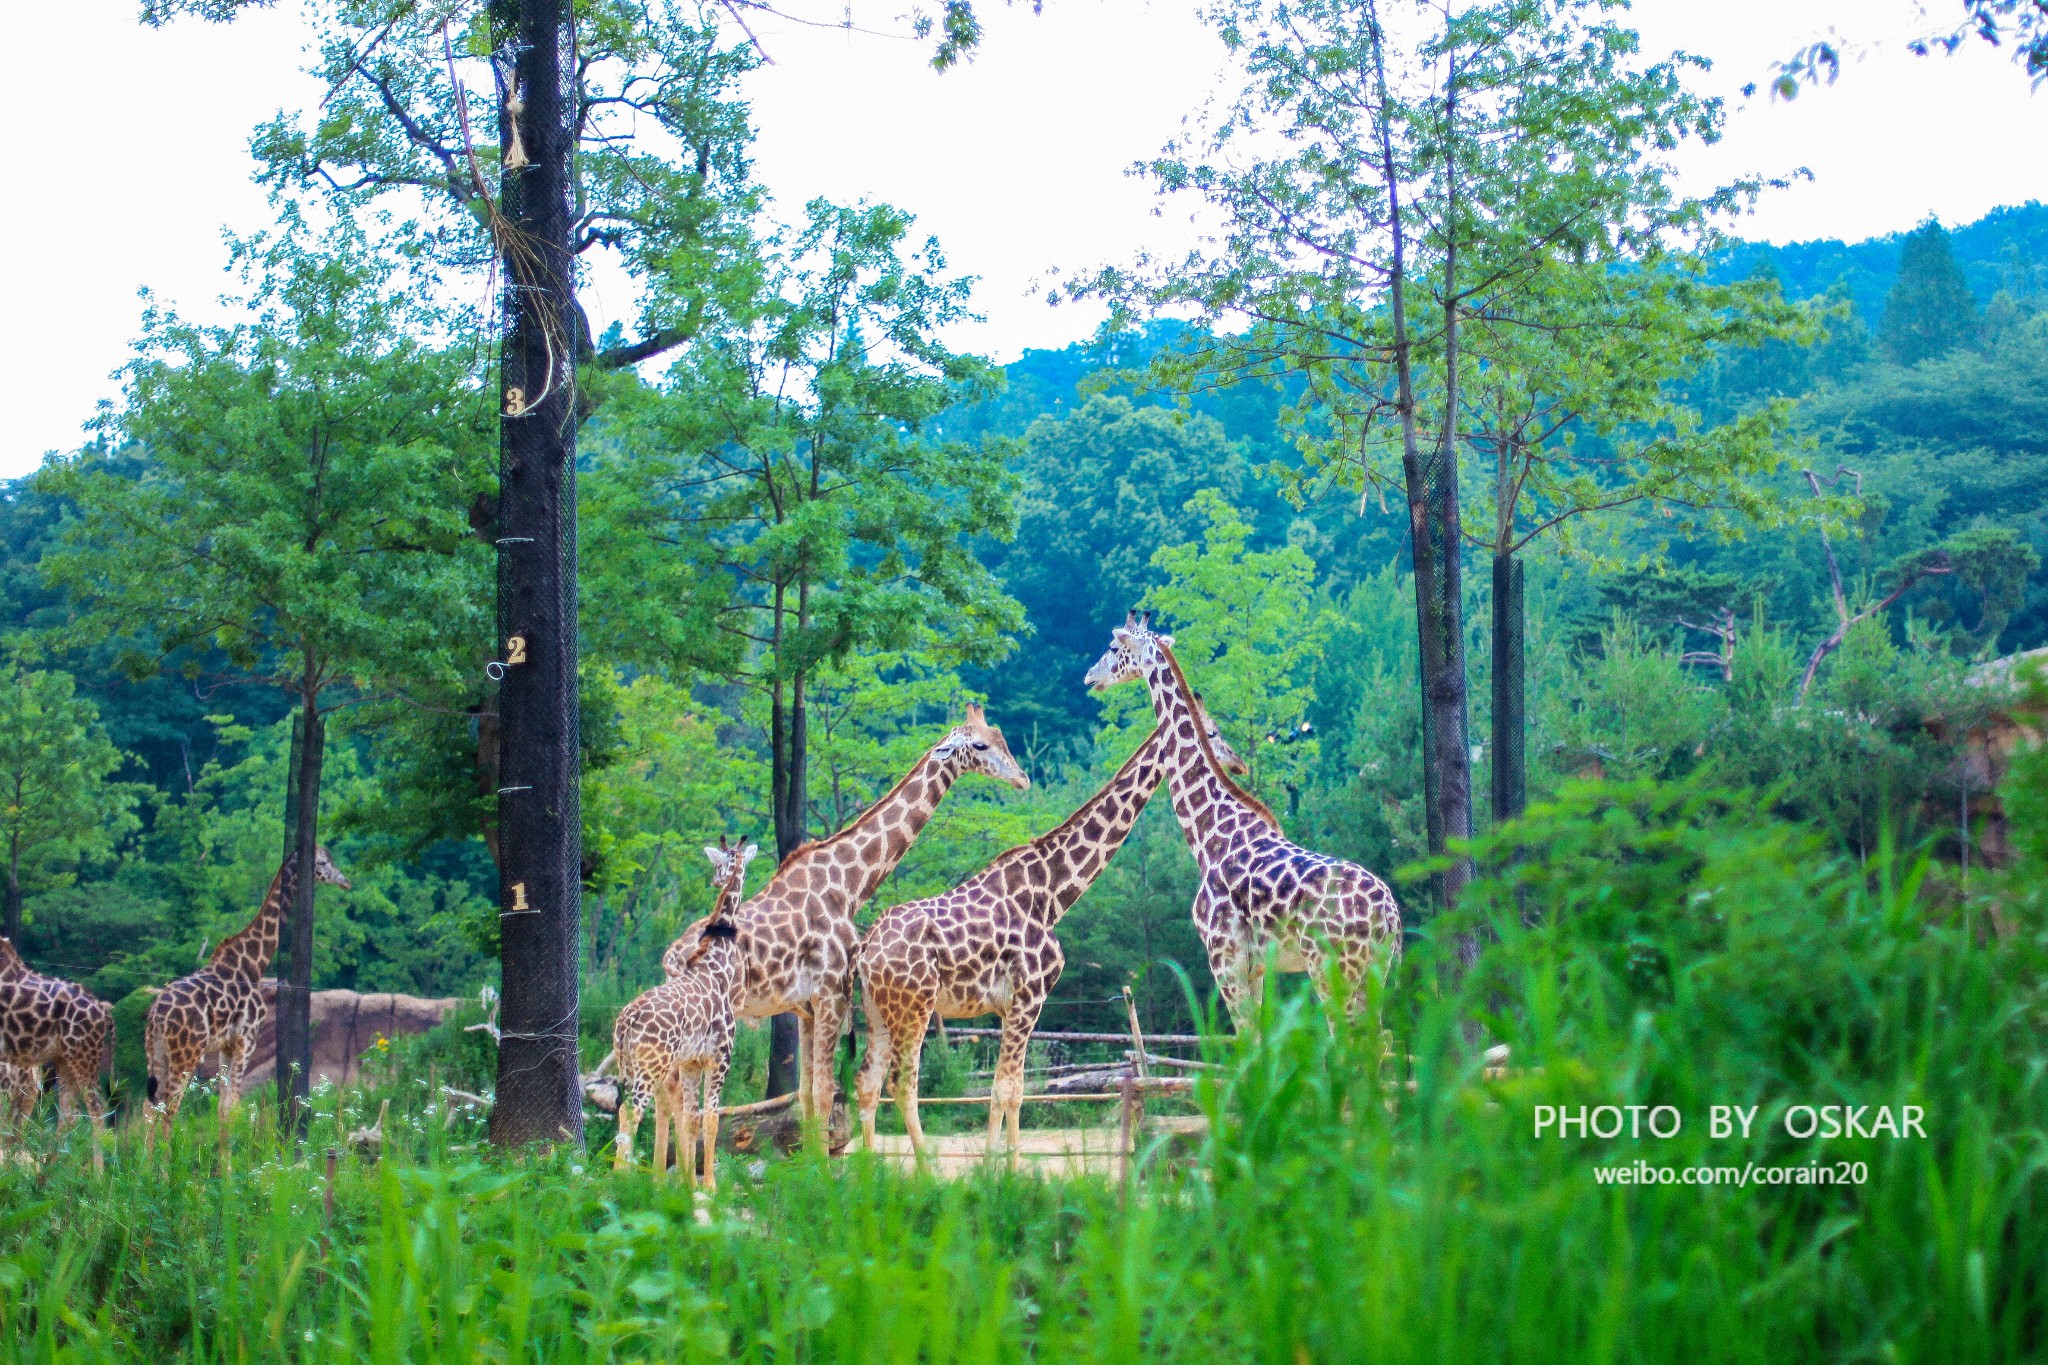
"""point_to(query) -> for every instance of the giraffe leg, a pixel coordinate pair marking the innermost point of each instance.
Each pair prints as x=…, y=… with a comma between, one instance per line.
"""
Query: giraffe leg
x=24, y=1087
x=875, y=1065
x=714, y=1095
x=78, y=1086
x=1236, y=981
x=661, y=1116
x=909, y=1053
x=827, y=1012
x=683, y=1087
x=633, y=1101
x=804, y=1099
x=1006, y=1090
x=176, y=1078
x=234, y=1058
x=622, y=1142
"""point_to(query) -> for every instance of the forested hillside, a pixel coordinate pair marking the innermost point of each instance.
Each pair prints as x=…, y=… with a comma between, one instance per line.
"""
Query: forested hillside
x=1929, y=384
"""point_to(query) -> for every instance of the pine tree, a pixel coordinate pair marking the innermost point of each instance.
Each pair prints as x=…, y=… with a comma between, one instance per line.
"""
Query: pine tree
x=1929, y=311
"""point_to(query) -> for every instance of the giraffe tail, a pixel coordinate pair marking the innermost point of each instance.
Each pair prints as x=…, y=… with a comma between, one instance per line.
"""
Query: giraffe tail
x=153, y=1051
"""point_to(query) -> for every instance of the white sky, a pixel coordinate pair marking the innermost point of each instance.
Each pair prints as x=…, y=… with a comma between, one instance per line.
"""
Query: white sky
x=131, y=153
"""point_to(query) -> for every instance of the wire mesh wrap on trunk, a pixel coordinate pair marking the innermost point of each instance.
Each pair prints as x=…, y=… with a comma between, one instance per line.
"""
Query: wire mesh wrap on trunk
x=539, y=809
x=294, y=1038
x=1446, y=760
x=1510, y=701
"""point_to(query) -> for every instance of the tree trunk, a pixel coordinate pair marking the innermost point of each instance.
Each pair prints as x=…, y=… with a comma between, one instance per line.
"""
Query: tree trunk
x=1510, y=714
x=539, y=802
x=13, y=913
x=295, y=981
x=1431, y=484
x=1441, y=620
x=791, y=746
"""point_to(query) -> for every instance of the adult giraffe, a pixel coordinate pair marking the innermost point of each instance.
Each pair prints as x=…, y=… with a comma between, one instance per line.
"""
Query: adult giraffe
x=988, y=946
x=219, y=1008
x=44, y=1021
x=1259, y=892
x=796, y=936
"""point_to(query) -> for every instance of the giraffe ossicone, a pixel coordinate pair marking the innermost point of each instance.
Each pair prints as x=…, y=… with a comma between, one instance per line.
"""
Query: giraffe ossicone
x=1260, y=894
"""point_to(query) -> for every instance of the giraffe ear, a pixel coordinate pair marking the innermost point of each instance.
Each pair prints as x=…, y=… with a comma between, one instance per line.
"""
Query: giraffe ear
x=713, y=853
x=747, y=853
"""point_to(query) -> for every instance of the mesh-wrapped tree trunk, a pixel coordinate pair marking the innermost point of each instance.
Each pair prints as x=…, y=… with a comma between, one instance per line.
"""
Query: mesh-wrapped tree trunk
x=295, y=960
x=1446, y=757
x=1510, y=703
x=539, y=815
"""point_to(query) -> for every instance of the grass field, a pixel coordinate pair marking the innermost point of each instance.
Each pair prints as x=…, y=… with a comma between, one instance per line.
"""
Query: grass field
x=1341, y=1205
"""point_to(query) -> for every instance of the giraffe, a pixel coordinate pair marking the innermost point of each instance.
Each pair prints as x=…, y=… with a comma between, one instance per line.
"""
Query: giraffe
x=20, y=1086
x=1259, y=892
x=796, y=935
x=219, y=1008
x=44, y=1021
x=676, y=1039
x=988, y=946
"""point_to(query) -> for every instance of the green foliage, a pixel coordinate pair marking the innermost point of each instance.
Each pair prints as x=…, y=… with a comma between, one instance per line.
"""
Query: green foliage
x=1930, y=310
x=1650, y=944
x=1105, y=486
x=57, y=805
x=1630, y=711
x=1247, y=630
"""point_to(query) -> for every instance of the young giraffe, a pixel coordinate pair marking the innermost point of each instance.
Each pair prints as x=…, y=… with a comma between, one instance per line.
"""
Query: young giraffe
x=796, y=935
x=45, y=1020
x=1258, y=891
x=219, y=1008
x=676, y=1039
x=988, y=946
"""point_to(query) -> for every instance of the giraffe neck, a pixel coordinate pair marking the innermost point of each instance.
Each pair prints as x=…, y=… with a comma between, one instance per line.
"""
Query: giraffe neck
x=884, y=831
x=248, y=952
x=1200, y=795
x=728, y=896
x=1082, y=844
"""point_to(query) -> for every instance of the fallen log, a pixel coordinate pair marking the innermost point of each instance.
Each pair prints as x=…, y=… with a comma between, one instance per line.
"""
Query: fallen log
x=745, y=1128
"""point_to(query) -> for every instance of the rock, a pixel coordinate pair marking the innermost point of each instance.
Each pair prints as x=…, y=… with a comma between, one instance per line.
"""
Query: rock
x=345, y=1026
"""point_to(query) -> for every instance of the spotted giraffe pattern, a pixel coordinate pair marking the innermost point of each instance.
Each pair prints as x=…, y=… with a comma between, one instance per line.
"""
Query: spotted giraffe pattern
x=20, y=1086
x=796, y=936
x=988, y=947
x=1259, y=892
x=674, y=1042
x=46, y=1021
x=220, y=1007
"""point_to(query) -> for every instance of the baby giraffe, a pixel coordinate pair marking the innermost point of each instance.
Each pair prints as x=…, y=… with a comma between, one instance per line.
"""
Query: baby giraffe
x=676, y=1038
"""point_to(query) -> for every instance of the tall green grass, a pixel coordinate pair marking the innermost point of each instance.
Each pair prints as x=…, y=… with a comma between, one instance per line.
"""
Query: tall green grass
x=1645, y=945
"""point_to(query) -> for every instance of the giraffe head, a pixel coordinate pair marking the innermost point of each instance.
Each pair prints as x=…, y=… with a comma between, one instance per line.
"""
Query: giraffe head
x=324, y=869
x=976, y=746
x=12, y=968
x=729, y=864
x=1226, y=757
x=1133, y=648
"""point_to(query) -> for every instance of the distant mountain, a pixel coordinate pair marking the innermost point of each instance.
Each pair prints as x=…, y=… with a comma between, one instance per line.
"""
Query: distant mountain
x=2005, y=249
